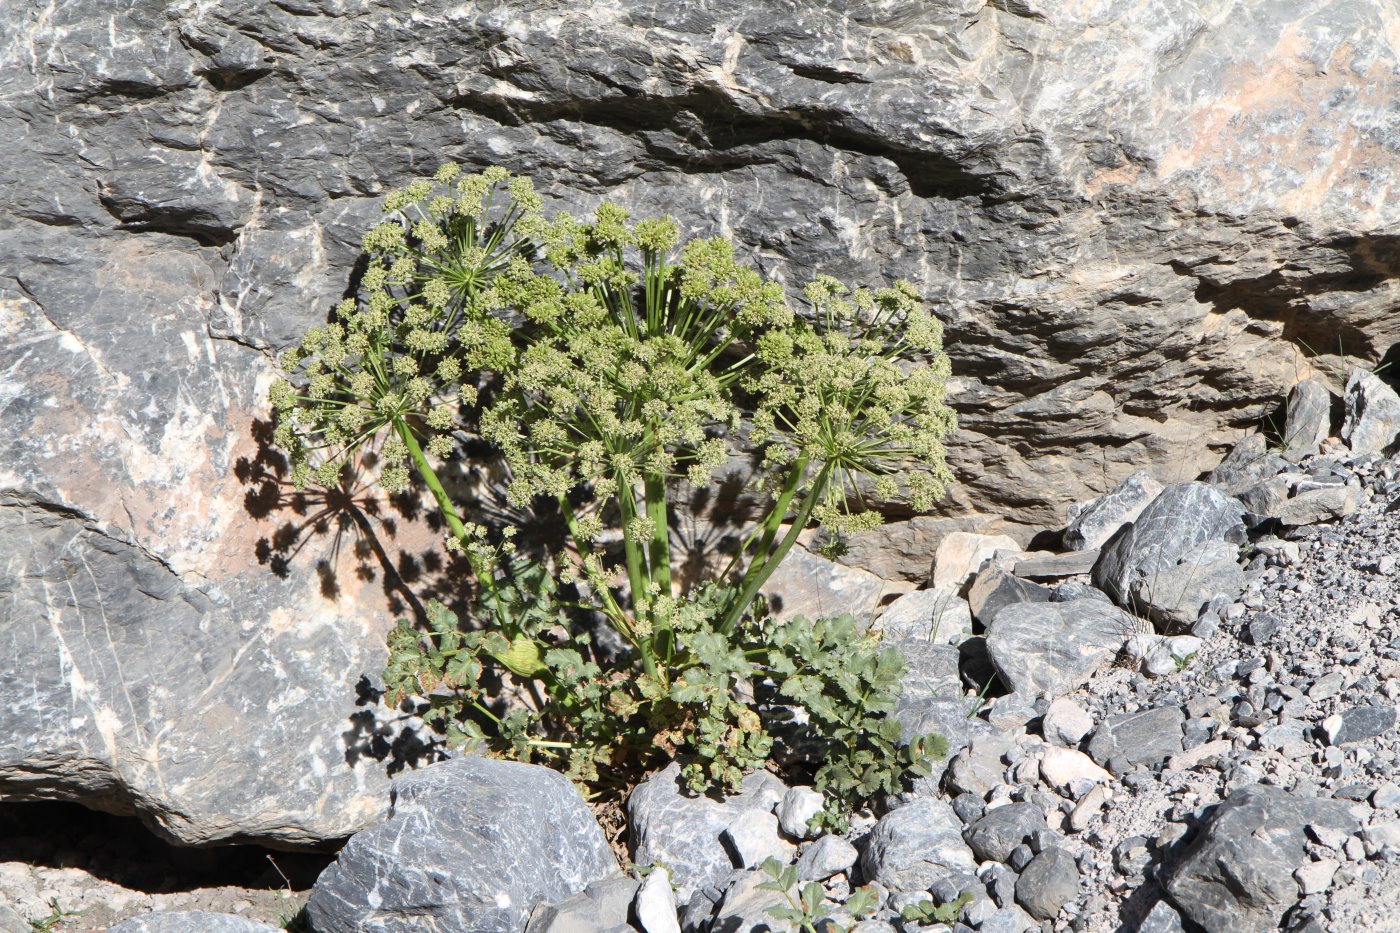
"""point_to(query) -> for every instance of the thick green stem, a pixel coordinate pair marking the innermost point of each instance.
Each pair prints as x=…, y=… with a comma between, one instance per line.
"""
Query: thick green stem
x=425, y=470
x=659, y=554
x=636, y=575
x=760, y=571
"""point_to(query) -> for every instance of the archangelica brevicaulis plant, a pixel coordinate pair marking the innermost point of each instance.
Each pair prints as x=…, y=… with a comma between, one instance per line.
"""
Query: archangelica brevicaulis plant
x=613, y=366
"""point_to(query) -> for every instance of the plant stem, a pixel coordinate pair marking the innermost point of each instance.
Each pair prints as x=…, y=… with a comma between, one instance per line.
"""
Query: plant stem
x=660, y=556
x=759, y=572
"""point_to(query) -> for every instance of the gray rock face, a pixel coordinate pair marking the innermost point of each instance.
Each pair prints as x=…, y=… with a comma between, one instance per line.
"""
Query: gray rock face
x=185, y=921
x=929, y=670
x=1003, y=167
x=139, y=689
x=1249, y=463
x=1094, y=522
x=1238, y=873
x=942, y=715
x=1372, y=414
x=915, y=846
x=1307, y=419
x=826, y=857
x=807, y=584
x=1048, y=649
x=1358, y=723
x=472, y=845
x=1177, y=555
x=671, y=827
x=1130, y=740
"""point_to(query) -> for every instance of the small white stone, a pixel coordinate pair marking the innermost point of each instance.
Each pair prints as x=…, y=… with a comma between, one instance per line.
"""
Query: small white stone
x=1068, y=770
x=1087, y=808
x=1066, y=723
x=753, y=837
x=798, y=806
x=656, y=903
x=1316, y=877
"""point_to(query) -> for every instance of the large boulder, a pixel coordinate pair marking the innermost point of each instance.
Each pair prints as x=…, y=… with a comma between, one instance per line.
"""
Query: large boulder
x=1180, y=553
x=472, y=846
x=1238, y=873
x=1112, y=216
x=134, y=687
x=1049, y=649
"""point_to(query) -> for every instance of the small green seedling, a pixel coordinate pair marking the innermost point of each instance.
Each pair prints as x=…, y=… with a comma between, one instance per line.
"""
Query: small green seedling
x=804, y=910
x=927, y=913
x=56, y=916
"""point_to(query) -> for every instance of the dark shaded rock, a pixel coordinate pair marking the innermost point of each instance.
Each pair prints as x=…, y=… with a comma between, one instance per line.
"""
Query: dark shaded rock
x=1004, y=828
x=1048, y=649
x=472, y=844
x=1048, y=883
x=1372, y=414
x=1131, y=740
x=1238, y=873
x=1094, y=522
x=994, y=588
x=1358, y=723
x=1262, y=628
x=1177, y=556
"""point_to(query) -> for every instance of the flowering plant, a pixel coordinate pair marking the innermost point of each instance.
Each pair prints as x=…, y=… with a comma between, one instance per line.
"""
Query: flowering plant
x=609, y=364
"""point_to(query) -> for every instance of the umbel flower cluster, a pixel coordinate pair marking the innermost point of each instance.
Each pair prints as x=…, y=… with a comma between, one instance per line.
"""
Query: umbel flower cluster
x=612, y=367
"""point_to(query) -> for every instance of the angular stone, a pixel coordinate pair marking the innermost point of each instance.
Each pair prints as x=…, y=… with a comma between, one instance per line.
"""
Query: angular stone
x=752, y=838
x=120, y=686
x=828, y=856
x=1162, y=918
x=1071, y=771
x=672, y=827
x=1094, y=522
x=980, y=766
x=1048, y=649
x=807, y=584
x=939, y=616
x=930, y=670
x=601, y=906
x=1372, y=419
x=1358, y=723
x=1307, y=420
x=656, y=903
x=1004, y=828
x=1130, y=740
x=798, y=807
x=1249, y=463
x=1177, y=555
x=1044, y=566
x=994, y=588
x=1238, y=873
x=915, y=846
x=1048, y=883
x=1066, y=723
x=960, y=555
x=472, y=844
x=185, y=921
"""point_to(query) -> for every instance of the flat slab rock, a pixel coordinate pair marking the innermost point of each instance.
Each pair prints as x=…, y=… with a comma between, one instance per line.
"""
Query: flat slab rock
x=1049, y=649
x=472, y=846
x=190, y=921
